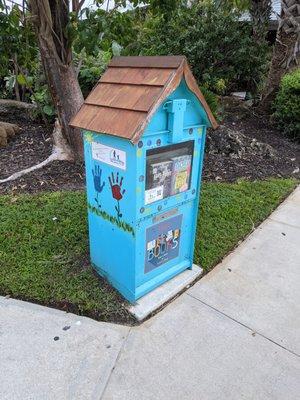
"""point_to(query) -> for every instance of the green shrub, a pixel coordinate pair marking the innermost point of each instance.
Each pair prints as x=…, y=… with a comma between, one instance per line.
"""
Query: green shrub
x=91, y=68
x=100, y=29
x=287, y=105
x=218, y=46
x=211, y=99
x=18, y=46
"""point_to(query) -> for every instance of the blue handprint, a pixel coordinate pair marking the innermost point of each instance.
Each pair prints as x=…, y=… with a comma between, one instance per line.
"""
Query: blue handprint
x=97, y=173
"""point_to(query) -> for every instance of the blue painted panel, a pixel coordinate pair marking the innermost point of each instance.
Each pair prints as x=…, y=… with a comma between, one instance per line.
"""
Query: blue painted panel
x=120, y=223
x=111, y=205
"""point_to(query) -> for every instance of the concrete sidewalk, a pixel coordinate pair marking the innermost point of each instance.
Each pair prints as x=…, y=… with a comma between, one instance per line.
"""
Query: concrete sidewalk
x=234, y=335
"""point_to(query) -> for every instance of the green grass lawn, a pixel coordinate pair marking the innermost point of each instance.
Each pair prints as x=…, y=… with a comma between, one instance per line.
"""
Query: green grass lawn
x=44, y=243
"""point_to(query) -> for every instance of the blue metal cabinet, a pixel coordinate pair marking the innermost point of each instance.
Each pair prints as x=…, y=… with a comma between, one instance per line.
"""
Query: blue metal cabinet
x=143, y=197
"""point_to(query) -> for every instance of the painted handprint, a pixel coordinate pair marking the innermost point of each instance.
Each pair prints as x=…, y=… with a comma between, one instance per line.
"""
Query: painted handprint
x=116, y=186
x=98, y=185
x=116, y=191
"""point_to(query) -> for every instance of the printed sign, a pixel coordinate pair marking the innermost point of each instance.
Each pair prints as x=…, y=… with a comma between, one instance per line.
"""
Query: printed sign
x=109, y=155
x=154, y=194
x=162, y=242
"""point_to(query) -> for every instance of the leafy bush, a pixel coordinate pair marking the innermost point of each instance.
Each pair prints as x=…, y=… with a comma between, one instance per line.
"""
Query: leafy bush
x=287, y=105
x=211, y=99
x=219, y=47
x=18, y=48
x=90, y=68
x=42, y=98
x=99, y=30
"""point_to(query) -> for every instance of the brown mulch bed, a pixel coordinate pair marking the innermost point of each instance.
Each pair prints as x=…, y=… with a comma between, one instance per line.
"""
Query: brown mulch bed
x=265, y=151
x=31, y=146
x=254, y=149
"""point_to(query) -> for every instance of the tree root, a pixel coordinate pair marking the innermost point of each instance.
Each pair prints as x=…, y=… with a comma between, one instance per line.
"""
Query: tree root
x=60, y=151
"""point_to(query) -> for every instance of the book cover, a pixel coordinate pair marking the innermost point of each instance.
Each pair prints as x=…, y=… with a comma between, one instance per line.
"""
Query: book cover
x=158, y=181
x=181, y=172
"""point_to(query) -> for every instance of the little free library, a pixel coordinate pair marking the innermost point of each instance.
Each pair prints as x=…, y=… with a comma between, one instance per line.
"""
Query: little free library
x=144, y=127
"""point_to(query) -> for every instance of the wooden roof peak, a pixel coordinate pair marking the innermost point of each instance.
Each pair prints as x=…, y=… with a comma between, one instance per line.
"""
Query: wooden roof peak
x=129, y=93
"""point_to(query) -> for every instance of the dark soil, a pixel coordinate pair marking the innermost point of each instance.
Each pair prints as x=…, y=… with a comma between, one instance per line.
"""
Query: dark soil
x=246, y=146
x=31, y=146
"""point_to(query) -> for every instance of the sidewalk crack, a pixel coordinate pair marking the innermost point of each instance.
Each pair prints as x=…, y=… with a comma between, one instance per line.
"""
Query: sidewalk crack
x=115, y=363
x=244, y=325
x=283, y=223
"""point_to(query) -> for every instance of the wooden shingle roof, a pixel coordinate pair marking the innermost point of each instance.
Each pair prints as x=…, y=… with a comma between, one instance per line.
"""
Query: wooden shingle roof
x=130, y=91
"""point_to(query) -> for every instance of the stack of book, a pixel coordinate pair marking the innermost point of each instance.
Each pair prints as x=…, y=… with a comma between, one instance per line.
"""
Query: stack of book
x=167, y=178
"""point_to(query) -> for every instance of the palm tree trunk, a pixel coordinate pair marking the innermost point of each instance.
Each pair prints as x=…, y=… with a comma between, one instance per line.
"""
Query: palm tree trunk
x=260, y=13
x=286, y=52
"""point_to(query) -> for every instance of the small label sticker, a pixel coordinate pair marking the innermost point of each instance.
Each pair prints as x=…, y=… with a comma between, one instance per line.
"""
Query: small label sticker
x=109, y=155
x=154, y=194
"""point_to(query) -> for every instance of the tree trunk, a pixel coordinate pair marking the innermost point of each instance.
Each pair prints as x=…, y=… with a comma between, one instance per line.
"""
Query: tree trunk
x=260, y=12
x=51, y=19
x=286, y=50
x=66, y=96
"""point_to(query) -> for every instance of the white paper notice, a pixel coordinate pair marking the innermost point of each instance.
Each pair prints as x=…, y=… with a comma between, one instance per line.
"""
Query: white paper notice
x=109, y=155
x=154, y=194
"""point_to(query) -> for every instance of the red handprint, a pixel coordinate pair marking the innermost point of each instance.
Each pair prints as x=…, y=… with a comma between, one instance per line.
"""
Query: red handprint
x=117, y=192
x=116, y=186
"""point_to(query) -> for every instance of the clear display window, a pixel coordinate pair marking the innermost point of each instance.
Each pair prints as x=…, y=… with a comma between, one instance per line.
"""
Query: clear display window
x=168, y=170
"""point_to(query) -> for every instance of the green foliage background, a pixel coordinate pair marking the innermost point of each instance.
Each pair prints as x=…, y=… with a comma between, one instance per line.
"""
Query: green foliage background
x=287, y=105
x=218, y=46
x=17, y=41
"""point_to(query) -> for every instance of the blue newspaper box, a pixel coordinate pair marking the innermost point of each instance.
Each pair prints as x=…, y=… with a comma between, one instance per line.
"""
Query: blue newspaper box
x=144, y=130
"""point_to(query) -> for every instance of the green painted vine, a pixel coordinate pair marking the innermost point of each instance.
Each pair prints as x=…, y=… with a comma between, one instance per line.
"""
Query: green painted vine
x=120, y=224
